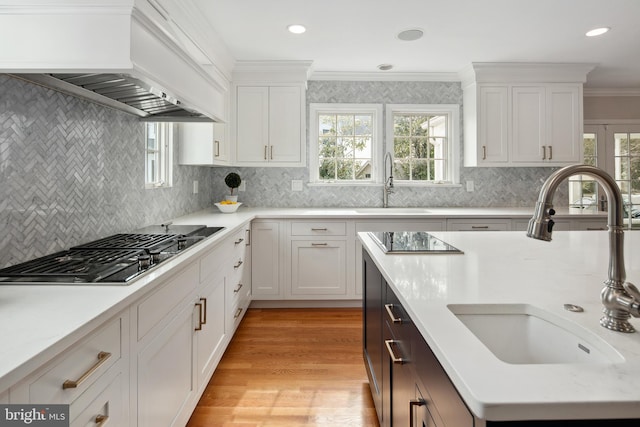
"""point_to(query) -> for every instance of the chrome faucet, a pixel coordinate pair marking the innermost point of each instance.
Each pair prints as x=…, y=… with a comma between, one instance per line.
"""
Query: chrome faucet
x=388, y=181
x=620, y=299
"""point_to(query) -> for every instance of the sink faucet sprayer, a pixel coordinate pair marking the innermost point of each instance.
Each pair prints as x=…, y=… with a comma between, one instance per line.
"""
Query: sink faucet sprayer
x=388, y=181
x=620, y=299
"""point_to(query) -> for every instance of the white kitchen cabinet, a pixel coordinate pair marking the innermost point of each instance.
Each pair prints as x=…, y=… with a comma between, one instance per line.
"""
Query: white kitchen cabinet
x=585, y=223
x=523, y=115
x=265, y=260
x=238, y=278
x=546, y=124
x=318, y=267
x=489, y=224
x=92, y=377
x=203, y=144
x=493, y=129
x=210, y=326
x=166, y=372
x=167, y=350
x=270, y=126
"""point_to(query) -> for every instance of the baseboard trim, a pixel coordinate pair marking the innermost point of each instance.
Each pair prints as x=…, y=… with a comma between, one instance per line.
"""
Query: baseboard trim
x=305, y=303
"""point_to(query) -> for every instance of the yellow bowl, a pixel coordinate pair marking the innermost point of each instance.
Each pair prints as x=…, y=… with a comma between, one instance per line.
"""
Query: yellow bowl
x=228, y=208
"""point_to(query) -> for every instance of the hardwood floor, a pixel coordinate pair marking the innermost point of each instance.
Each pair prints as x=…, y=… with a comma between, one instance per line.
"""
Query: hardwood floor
x=291, y=367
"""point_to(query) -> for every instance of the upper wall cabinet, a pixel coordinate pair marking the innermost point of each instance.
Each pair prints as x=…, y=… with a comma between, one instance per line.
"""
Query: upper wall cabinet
x=203, y=144
x=269, y=114
x=523, y=114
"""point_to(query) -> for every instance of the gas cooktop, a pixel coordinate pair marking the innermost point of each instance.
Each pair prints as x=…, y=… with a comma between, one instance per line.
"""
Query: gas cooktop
x=116, y=259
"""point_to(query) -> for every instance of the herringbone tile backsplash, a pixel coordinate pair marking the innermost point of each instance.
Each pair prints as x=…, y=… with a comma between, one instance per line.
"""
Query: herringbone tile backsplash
x=72, y=171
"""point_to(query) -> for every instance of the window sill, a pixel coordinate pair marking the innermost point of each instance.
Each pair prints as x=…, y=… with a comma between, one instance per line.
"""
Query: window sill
x=379, y=184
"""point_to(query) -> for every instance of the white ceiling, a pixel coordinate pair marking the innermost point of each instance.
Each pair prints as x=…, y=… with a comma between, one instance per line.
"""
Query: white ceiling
x=358, y=35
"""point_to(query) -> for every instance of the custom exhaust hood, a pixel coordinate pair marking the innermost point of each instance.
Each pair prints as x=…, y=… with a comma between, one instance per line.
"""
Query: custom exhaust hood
x=122, y=92
x=124, y=55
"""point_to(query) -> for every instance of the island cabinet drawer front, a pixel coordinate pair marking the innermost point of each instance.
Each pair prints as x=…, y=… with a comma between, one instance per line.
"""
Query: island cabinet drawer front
x=442, y=397
x=479, y=225
x=74, y=371
x=318, y=228
x=103, y=403
x=156, y=307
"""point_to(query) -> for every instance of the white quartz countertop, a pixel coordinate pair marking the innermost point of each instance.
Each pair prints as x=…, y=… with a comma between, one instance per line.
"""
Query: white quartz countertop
x=39, y=322
x=509, y=268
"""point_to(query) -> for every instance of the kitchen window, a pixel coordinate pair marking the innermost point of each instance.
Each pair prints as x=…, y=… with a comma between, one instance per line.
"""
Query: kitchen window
x=345, y=143
x=616, y=149
x=158, y=154
x=423, y=140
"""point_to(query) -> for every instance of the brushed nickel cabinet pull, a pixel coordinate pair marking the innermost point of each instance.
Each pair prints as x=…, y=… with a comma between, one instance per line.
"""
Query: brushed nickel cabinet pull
x=199, y=327
x=101, y=420
x=550, y=152
x=237, y=289
x=319, y=244
x=271, y=152
x=247, y=234
x=412, y=403
x=103, y=356
x=595, y=228
x=204, y=309
x=394, y=358
x=484, y=152
x=544, y=152
x=394, y=319
x=479, y=227
x=217, y=143
x=238, y=264
x=265, y=152
x=319, y=229
x=240, y=240
x=238, y=313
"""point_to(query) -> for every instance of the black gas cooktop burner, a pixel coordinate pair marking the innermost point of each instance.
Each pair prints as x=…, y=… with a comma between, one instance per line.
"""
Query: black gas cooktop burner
x=115, y=259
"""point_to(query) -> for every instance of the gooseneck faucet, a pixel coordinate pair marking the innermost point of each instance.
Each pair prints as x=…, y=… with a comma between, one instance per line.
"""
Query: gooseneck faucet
x=620, y=298
x=388, y=180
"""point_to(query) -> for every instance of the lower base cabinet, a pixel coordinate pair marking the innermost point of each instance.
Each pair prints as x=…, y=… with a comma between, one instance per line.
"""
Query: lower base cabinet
x=408, y=385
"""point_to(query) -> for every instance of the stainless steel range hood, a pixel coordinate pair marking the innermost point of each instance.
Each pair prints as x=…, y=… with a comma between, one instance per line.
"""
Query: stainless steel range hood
x=122, y=92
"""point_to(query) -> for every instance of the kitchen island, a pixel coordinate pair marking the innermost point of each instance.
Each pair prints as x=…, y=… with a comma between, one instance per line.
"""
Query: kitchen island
x=508, y=269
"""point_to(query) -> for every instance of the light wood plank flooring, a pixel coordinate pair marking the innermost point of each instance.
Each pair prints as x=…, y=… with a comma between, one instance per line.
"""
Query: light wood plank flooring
x=291, y=367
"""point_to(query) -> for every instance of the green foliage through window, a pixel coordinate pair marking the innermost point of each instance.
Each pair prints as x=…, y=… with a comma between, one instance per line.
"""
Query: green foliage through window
x=345, y=146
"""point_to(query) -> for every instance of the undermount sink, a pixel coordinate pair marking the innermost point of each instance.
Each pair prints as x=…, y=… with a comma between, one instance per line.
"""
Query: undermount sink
x=525, y=334
x=392, y=210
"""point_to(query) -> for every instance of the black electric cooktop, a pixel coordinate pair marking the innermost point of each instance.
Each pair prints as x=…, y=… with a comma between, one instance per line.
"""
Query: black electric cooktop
x=411, y=242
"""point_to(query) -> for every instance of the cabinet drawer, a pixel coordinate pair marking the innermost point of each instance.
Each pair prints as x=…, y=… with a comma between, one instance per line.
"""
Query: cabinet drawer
x=318, y=229
x=156, y=307
x=82, y=364
x=103, y=402
x=437, y=388
x=479, y=225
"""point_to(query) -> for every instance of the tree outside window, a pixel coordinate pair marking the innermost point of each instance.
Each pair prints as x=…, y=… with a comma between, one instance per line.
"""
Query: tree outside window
x=345, y=145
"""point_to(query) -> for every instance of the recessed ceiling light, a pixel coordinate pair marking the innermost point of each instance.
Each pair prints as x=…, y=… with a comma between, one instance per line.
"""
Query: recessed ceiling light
x=296, y=28
x=385, y=67
x=597, y=31
x=410, y=35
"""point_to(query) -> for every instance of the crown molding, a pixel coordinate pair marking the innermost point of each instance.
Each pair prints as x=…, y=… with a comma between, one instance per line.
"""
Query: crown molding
x=384, y=76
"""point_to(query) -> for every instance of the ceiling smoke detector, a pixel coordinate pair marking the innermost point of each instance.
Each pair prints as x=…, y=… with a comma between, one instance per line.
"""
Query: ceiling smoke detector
x=410, y=35
x=385, y=67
